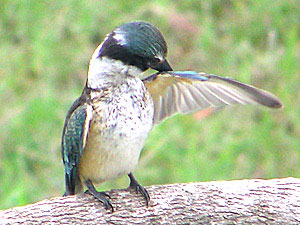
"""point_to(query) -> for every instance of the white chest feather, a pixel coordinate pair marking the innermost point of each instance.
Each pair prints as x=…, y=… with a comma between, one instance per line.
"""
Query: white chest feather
x=121, y=122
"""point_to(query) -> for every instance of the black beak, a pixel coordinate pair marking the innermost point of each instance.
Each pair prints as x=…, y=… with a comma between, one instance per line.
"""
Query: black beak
x=161, y=67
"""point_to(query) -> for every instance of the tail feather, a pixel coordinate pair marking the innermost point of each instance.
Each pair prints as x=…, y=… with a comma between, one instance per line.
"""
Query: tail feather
x=73, y=184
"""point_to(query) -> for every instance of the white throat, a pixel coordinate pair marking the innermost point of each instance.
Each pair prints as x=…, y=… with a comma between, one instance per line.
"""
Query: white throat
x=104, y=72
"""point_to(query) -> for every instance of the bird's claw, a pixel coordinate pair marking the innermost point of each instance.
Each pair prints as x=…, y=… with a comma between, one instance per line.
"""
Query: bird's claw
x=139, y=188
x=101, y=196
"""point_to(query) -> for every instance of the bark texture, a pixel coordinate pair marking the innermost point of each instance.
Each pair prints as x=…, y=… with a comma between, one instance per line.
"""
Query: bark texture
x=275, y=201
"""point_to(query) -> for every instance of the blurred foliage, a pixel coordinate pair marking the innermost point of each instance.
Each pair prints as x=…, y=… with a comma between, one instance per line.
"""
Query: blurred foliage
x=44, y=53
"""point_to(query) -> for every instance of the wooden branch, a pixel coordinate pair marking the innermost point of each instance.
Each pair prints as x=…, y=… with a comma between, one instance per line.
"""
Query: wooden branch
x=275, y=201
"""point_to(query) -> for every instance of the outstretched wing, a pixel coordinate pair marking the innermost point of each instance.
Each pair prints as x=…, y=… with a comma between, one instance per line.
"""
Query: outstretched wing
x=73, y=143
x=189, y=91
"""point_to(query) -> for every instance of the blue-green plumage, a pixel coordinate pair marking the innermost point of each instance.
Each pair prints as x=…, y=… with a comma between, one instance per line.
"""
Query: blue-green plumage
x=107, y=125
x=73, y=141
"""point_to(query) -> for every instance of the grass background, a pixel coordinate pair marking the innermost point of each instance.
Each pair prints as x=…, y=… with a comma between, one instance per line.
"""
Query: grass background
x=44, y=53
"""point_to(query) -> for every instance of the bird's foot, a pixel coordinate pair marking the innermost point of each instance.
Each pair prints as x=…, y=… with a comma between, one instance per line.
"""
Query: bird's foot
x=138, y=188
x=102, y=192
x=101, y=196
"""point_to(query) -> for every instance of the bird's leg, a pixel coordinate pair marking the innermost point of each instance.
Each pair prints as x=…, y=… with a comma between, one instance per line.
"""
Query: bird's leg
x=101, y=196
x=138, y=188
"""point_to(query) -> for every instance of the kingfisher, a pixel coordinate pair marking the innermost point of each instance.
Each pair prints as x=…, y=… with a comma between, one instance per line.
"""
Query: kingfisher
x=106, y=127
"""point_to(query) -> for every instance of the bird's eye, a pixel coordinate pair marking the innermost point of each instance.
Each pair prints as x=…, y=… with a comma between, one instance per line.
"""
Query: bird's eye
x=155, y=61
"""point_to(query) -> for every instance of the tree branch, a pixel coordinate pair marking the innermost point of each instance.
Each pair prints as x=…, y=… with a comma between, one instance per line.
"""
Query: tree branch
x=275, y=201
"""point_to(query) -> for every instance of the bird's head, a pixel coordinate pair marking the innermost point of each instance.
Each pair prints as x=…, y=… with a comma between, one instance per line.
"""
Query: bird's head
x=135, y=46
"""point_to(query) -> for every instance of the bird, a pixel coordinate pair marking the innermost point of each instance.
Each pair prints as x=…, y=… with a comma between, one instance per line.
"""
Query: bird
x=106, y=127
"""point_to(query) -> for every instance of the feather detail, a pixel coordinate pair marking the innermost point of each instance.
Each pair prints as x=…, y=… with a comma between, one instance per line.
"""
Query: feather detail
x=189, y=91
x=74, y=141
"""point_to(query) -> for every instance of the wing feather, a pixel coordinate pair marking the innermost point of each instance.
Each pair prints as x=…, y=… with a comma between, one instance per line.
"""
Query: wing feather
x=188, y=91
x=73, y=144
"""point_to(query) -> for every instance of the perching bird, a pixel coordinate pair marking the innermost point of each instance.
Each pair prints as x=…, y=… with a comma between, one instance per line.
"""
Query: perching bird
x=106, y=127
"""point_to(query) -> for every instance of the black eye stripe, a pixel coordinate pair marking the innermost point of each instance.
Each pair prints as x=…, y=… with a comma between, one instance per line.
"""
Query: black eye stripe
x=155, y=60
x=136, y=44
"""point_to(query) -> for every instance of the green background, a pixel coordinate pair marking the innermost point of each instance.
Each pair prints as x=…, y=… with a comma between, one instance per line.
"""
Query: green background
x=44, y=54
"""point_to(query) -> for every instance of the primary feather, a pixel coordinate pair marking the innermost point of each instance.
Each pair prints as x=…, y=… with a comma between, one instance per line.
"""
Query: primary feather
x=189, y=91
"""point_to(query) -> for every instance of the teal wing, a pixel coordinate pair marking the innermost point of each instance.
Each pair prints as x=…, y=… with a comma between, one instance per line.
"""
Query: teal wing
x=73, y=144
x=189, y=91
